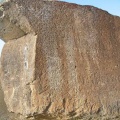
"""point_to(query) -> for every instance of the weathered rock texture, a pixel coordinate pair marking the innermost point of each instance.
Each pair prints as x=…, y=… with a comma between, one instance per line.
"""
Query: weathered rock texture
x=3, y=108
x=61, y=61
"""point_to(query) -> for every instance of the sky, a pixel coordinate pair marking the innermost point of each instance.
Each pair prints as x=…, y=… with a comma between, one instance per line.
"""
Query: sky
x=112, y=6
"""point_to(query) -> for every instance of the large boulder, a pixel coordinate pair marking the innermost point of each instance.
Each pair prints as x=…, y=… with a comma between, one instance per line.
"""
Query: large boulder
x=65, y=63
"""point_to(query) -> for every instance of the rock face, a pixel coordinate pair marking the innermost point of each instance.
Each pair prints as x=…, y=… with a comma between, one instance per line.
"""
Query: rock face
x=3, y=108
x=64, y=64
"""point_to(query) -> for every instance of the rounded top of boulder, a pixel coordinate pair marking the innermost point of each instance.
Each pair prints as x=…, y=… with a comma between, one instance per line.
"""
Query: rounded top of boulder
x=20, y=17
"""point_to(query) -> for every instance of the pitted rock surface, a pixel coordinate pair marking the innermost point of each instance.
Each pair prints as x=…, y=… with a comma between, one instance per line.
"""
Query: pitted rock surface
x=61, y=61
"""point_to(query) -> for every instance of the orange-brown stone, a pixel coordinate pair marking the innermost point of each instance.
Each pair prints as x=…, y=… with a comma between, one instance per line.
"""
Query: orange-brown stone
x=66, y=66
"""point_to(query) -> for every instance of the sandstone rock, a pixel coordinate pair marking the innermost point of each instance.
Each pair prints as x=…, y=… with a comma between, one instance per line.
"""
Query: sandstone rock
x=3, y=108
x=67, y=63
x=9, y=31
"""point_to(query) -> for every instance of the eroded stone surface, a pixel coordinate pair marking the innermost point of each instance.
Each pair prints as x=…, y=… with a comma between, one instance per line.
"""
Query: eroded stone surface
x=3, y=108
x=8, y=31
x=66, y=66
